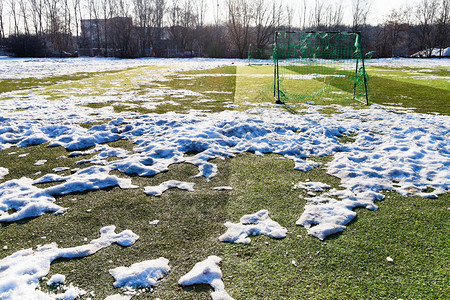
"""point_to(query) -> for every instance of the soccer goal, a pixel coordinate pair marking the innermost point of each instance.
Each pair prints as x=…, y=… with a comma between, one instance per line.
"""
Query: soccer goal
x=319, y=67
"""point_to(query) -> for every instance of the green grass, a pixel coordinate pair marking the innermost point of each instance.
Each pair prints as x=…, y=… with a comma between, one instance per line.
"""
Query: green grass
x=174, y=84
x=423, y=90
x=349, y=265
x=411, y=94
x=9, y=85
x=336, y=86
x=413, y=231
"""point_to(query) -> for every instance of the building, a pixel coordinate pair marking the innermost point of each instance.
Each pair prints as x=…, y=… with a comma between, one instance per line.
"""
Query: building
x=105, y=37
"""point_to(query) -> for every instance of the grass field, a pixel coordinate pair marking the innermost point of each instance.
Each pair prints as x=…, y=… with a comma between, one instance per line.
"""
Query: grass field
x=414, y=231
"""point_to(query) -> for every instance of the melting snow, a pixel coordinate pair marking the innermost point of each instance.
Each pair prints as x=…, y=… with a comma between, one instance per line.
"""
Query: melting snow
x=409, y=62
x=43, y=67
x=25, y=199
x=28, y=201
x=21, y=271
x=154, y=222
x=57, y=279
x=3, y=172
x=118, y=297
x=222, y=188
x=207, y=272
x=325, y=214
x=402, y=152
x=258, y=223
x=140, y=275
x=312, y=186
x=60, y=169
x=40, y=162
x=159, y=189
x=405, y=152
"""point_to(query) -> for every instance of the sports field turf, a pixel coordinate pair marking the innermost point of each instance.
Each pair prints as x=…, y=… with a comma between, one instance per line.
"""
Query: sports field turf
x=414, y=231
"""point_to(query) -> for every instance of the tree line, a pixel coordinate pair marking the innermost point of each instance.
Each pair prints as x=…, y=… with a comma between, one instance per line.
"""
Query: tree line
x=218, y=28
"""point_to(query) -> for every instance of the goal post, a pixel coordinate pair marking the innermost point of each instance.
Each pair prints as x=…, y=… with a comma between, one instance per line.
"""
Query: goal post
x=319, y=66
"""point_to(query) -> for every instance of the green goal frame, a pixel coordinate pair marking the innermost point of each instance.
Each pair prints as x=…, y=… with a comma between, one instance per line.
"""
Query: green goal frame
x=319, y=65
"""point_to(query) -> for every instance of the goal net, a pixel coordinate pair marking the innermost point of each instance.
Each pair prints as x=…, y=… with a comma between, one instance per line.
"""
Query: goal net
x=319, y=67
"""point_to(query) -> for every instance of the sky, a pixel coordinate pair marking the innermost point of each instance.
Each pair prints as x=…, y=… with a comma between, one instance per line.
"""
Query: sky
x=379, y=8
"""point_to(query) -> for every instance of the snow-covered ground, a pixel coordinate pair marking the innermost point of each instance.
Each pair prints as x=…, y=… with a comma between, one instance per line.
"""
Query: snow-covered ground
x=392, y=150
x=410, y=62
x=44, y=67
x=21, y=271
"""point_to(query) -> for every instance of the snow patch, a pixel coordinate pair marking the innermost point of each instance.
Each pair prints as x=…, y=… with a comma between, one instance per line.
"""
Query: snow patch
x=26, y=200
x=118, y=297
x=40, y=162
x=92, y=178
x=159, y=189
x=325, y=215
x=3, y=172
x=140, y=275
x=60, y=169
x=44, y=67
x=312, y=186
x=207, y=272
x=222, y=188
x=21, y=271
x=258, y=223
x=405, y=152
x=57, y=279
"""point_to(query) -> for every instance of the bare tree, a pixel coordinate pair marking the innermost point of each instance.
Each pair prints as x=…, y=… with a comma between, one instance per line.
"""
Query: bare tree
x=175, y=21
x=239, y=21
x=390, y=35
x=200, y=6
x=290, y=16
x=303, y=13
x=327, y=15
x=266, y=20
x=121, y=30
x=443, y=25
x=159, y=10
x=317, y=15
x=217, y=13
x=201, y=9
x=426, y=14
x=23, y=6
x=67, y=25
x=94, y=11
x=15, y=15
x=215, y=34
x=334, y=14
x=77, y=18
x=360, y=11
x=37, y=15
x=142, y=13
x=52, y=8
x=2, y=28
x=182, y=24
